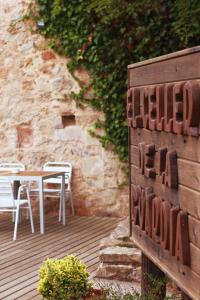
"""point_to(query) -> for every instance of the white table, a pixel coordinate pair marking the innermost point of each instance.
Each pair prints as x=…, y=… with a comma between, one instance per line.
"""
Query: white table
x=39, y=177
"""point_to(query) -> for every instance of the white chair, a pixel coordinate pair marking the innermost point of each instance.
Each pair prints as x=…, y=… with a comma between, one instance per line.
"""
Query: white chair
x=5, y=166
x=55, y=166
x=9, y=204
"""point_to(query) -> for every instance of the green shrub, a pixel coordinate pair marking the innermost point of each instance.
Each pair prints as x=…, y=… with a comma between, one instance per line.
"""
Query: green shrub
x=64, y=279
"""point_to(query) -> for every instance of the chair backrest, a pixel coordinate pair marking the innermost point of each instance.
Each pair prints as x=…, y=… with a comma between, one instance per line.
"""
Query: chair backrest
x=59, y=167
x=11, y=166
x=6, y=194
x=6, y=191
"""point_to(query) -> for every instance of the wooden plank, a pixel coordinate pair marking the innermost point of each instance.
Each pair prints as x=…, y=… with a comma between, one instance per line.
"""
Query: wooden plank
x=187, y=147
x=165, y=57
x=188, y=199
x=184, y=277
x=195, y=255
x=179, y=68
x=189, y=174
x=194, y=231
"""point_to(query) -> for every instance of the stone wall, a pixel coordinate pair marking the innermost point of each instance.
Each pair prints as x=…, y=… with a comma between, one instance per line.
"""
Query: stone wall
x=39, y=122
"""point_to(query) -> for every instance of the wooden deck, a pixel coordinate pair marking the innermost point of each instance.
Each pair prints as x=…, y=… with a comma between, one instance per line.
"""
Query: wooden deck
x=20, y=260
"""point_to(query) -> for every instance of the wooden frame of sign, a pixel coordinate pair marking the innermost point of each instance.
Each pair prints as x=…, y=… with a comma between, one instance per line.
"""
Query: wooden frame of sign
x=163, y=111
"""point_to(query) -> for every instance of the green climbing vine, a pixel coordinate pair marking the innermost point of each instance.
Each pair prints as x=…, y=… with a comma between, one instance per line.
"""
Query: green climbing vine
x=105, y=36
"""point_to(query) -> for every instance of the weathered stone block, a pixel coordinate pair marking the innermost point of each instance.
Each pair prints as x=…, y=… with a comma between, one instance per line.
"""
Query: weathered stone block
x=118, y=272
x=120, y=255
x=122, y=231
x=111, y=242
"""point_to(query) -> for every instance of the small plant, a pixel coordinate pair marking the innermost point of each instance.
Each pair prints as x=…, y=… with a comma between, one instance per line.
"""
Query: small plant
x=64, y=279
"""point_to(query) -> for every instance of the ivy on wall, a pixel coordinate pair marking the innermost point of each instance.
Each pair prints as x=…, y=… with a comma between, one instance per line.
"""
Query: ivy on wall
x=104, y=36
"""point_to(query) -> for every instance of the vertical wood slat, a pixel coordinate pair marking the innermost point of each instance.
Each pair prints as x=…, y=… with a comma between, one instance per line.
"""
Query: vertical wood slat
x=153, y=279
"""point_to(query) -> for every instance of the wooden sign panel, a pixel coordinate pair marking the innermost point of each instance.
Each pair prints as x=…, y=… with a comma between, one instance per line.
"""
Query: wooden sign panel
x=163, y=111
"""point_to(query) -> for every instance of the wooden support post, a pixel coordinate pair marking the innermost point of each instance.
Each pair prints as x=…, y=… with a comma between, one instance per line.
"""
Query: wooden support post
x=185, y=297
x=153, y=279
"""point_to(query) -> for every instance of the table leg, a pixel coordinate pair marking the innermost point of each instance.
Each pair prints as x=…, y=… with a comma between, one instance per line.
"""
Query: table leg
x=41, y=204
x=63, y=200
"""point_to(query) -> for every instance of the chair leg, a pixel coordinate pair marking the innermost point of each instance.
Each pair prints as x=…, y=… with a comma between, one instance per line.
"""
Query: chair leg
x=16, y=222
x=30, y=213
x=20, y=217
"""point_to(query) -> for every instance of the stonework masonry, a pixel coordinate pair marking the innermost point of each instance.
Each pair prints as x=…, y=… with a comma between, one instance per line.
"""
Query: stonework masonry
x=39, y=122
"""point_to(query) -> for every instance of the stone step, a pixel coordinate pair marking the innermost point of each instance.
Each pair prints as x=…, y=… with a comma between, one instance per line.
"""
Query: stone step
x=120, y=255
x=122, y=231
x=112, y=242
x=118, y=272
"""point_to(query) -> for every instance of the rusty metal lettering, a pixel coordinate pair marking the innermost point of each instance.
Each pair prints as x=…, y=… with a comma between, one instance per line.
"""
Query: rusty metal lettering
x=182, y=251
x=149, y=155
x=178, y=108
x=170, y=176
x=160, y=107
x=148, y=219
x=137, y=118
x=135, y=196
x=164, y=224
x=168, y=107
x=156, y=219
x=191, y=108
x=141, y=157
x=144, y=101
x=142, y=210
x=152, y=108
x=162, y=153
x=172, y=229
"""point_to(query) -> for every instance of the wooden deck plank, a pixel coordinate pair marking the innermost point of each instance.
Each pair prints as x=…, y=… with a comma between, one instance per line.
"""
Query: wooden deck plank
x=20, y=261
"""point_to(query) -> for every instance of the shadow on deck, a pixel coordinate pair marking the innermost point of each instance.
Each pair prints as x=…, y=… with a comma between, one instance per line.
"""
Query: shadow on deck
x=20, y=260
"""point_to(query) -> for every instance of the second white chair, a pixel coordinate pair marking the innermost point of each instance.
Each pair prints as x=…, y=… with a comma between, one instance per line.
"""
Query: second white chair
x=60, y=167
x=55, y=192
